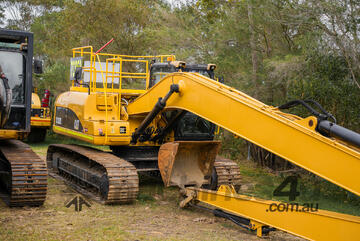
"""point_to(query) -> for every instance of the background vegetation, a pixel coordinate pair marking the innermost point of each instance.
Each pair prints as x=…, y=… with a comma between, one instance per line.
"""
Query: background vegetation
x=274, y=50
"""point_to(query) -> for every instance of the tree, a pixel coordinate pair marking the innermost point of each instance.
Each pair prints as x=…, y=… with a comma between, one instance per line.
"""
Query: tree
x=268, y=49
x=2, y=15
x=337, y=23
x=22, y=13
x=94, y=22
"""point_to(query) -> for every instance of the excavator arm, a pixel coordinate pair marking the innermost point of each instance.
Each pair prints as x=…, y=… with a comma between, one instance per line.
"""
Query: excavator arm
x=295, y=139
x=259, y=215
x=290, y=137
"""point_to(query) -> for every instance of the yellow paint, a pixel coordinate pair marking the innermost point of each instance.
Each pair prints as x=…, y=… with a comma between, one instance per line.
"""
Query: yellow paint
x=37, y=121
x=313, y=225
x=11, y=134
x=72, y=133
x=244, y=116
x=288, y=136
x=40, y=122
x=35, y=101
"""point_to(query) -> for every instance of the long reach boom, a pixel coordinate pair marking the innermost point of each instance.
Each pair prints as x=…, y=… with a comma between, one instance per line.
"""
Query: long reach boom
x=290, y=137
x=335, y=157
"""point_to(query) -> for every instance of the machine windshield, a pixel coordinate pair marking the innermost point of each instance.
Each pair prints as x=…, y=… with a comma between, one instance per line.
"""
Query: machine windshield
x=12, y=66
x=159, y=73
x=200, y=71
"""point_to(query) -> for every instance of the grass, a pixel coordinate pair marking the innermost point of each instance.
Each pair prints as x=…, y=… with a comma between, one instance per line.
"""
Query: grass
x=41, y=148
x=262, y=182
x=155, y=215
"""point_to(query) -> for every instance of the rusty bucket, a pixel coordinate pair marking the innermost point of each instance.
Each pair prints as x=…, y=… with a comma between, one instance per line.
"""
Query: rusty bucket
x=185, y=163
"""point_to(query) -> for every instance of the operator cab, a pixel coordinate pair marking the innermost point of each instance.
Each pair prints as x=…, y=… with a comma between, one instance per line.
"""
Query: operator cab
x=204, y=69
x=15, y=80
x=159, y=70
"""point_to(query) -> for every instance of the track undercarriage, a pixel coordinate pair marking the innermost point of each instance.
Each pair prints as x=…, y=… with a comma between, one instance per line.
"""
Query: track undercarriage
x=23, y=175
x=111, y=178
x=97, y=174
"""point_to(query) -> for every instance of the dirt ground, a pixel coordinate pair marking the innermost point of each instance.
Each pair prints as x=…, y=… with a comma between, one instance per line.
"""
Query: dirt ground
x=154, y=216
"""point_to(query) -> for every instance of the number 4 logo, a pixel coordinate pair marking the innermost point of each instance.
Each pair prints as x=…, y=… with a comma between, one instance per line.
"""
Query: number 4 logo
x=293, y=193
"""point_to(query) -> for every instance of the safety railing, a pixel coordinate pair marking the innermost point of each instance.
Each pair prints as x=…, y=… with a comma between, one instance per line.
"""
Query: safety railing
x=96, y=73
x=121, y=74
x=110, y=78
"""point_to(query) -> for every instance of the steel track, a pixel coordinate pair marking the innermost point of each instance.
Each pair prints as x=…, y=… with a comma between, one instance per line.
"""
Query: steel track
x=228, y=172
x=99, y=175
x=23, y=175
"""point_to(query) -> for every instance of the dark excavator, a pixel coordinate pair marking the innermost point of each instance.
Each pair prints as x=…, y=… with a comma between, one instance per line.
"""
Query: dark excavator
x=23, y=174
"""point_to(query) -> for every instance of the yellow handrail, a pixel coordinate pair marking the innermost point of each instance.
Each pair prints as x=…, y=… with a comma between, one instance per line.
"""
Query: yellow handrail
x=111, y=61
x=92, y=70
x=105, y=96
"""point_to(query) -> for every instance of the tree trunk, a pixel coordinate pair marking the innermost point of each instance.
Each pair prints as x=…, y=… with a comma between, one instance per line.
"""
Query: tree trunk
x=254, y=56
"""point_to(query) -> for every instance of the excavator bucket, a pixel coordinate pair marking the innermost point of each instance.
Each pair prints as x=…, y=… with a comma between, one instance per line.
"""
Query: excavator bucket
x=185, y=163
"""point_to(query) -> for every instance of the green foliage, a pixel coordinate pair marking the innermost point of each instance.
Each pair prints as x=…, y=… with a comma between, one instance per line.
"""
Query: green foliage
x=234, y=147
x=2, y=15
x=289, y=46
x=327, y=80
x=54, y=78
x=94, y=23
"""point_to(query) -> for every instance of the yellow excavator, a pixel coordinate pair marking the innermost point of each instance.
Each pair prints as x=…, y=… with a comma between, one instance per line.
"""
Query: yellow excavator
x=40, y=117
x=138, y=105
x=113, y=177
x=23, y=174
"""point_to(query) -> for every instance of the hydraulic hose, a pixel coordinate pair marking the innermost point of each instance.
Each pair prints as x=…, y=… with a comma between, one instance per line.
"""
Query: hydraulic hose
x=325, y=127
x=159, y=106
